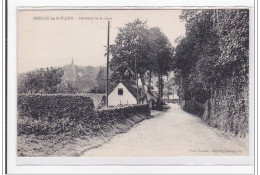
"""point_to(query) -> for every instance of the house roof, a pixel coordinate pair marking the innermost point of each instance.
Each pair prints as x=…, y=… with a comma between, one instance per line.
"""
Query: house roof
x=155, y=94
x=152, y=96
x=132, y=89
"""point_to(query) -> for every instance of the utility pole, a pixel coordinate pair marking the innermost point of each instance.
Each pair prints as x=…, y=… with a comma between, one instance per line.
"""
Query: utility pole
x=108, y=26
x=136, y=76
x=168, y=88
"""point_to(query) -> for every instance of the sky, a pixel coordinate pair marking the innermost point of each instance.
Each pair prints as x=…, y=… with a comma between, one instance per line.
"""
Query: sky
x=51, y=38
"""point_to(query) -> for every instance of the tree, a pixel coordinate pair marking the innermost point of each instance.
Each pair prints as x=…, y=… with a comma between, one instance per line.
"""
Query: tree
x=131, y=46
x=196, y=55
x=41, y=81
x=146, y=51
x=101, y=80
x=213, y=54
x=67, y=87
x=169, y=87
x=161, y=55
x=233, y=44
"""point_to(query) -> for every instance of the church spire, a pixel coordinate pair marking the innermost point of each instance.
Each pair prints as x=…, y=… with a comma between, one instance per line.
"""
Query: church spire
x=72, y=62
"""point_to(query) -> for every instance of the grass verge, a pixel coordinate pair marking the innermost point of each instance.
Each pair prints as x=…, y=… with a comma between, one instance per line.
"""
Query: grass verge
x=66, y=144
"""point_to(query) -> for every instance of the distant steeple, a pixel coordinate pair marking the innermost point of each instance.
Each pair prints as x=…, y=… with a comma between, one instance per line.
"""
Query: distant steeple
x=72, y=62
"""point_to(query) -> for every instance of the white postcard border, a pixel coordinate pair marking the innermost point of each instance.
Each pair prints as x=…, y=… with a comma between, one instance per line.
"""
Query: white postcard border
x=14, y=163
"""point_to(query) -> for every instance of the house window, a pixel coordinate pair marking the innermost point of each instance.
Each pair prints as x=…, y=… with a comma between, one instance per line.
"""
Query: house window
x=120, y=91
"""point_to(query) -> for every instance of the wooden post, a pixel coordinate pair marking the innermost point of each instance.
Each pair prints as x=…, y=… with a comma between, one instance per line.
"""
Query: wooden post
x=150, y=82
x=108, y=26
x=136, y=76
x=168, y=89
x=179, y=91
x=159, y=92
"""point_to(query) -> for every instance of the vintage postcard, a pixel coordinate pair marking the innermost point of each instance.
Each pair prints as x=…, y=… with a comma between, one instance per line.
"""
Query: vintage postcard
x=132, y=82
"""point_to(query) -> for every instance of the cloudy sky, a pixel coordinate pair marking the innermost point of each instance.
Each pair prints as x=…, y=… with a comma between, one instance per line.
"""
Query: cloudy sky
x=52, y=37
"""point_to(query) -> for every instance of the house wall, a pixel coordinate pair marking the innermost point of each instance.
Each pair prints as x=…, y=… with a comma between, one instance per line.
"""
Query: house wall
x=126, y=98
x=143, y=101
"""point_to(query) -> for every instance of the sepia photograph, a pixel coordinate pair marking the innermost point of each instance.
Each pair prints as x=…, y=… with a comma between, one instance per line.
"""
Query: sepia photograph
x=132, y=82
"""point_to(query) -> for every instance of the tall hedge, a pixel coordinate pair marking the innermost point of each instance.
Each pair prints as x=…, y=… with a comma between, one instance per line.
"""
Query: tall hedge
x=54, y=114
x=122, y=113
x=105, y=118
x=228, y=109
x=54, y=106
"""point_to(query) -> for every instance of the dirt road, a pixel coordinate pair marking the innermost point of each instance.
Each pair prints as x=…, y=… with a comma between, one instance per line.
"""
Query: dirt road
x=171, y=133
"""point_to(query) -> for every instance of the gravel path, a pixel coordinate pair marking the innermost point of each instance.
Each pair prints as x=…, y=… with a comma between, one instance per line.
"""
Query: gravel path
x=172, y=133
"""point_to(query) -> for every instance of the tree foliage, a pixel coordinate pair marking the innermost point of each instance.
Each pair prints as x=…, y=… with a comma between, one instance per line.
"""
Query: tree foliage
x=149, y=47
x=46, y=81
x=141, y=49
x=101, y=80
x=131, y=44
x=214, y=49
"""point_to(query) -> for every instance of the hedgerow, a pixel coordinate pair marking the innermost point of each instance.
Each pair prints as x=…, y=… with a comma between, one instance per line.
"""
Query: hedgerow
x=52, y=114
x=105, y=118
x=55, y=114
x=53, y=106
x=120, y=114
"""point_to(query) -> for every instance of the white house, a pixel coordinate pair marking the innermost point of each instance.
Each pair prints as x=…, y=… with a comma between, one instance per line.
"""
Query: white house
x=125, y=93
x=152, y=99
